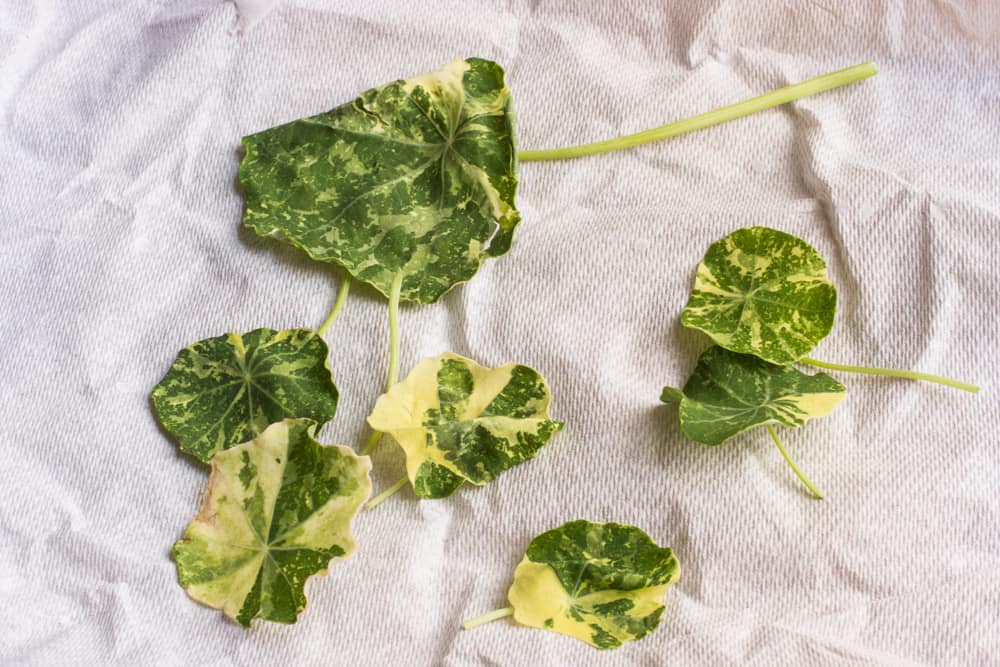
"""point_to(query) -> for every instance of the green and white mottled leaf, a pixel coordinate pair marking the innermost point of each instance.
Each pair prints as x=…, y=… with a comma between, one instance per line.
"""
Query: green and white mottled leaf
x=458, y=421
x=762, y=292
x=417, y=176
x=600, y=582
x=276, y=511
x=729, y=393
x=223, y=391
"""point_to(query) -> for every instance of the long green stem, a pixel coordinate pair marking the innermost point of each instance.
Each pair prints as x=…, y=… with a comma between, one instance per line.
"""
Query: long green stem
x=892, y=372
x=791, y=464
x=338, y=305
x=488, y=617
x=731, y=112
x=393, y=376
x=377, y=500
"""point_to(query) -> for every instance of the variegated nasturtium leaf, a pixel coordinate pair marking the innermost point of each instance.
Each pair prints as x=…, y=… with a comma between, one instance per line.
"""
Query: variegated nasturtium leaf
x=729, y=393
x=458, y=421
x=276, y=511
x=762, y=292
x=225, y=390
x=417, y=176
x=600, y=582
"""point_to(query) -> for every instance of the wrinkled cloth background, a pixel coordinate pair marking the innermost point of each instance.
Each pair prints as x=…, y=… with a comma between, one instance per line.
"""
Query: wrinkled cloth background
x=119, y=133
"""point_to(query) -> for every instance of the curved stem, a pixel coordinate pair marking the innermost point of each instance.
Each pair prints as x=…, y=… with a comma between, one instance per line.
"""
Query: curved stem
x=488, y=617
x=377, y=500
x=892, y=372
x=338, y=305
x=731, y=112
x=791, y=464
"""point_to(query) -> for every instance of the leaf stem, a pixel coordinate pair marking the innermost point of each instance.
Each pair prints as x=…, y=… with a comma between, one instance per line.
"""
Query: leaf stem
x=397, y=286
x=377, y=500
x=791, y=464
x=338, y=305
x=774, y=98
x=371, y=442
x=892, y=372
x=488, y=617
x=393, y=376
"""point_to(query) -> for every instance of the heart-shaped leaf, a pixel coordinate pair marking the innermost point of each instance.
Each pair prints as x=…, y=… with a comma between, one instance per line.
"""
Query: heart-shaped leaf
x=225, y=390
x=458, y=421
x=729, y=393
x=276, y=511
x=417, y=176
x=599, y=582
x=762, y=292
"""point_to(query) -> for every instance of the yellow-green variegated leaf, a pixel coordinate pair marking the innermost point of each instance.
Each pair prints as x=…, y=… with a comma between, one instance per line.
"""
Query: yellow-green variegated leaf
x=762, y=292
x=729, y=393
x=458, y=421
x=600, y=582
x=417, y=176
x=276, y=511
x=225, y=390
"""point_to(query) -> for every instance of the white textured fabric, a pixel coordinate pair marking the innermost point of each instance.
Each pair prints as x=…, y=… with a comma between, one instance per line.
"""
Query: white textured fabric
x=122, y=244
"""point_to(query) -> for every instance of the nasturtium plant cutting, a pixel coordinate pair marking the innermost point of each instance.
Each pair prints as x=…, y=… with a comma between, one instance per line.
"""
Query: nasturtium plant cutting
x=225, y=390
x=277, y=510
x=764, y=298
x=602, y=583
x=763, y=292
x=415, y=177
x=729, y=393
x=459, y=422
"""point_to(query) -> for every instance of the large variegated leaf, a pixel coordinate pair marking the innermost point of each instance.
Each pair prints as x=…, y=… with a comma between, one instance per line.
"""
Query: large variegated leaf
x=729, y=393
x=223, y=391
x=599, y=582
x=416, y=176
x=276, y=511
x=457, y=421
x=762, y=292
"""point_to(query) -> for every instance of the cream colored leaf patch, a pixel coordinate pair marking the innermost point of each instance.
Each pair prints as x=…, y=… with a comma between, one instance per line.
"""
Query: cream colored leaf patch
x=458, y=421
x=276, y=511
x=416, y=177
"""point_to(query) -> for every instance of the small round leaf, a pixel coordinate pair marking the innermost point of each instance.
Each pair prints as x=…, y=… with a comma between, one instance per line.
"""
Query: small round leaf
x=276, y=511
x=729, y=393
x=225, y=390
x=599, y=582
x=762, y=292
x=458, y=421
